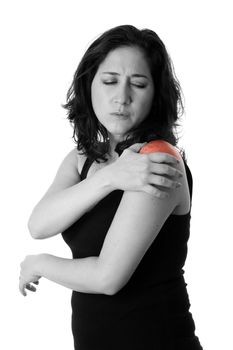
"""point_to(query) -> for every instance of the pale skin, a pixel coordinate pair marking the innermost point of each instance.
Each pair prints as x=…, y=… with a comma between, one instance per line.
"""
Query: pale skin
x=132, y=172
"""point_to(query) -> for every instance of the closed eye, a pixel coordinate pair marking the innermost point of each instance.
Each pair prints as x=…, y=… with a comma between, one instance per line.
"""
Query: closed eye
x=114, y=82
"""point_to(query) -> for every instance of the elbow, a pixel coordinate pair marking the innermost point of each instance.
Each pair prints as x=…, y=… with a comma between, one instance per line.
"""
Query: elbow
x=38, y=227
x=35, y=231
x=32, y=227
x=112, y=290
x=111, y=281
x=40, y=232
x=108, y=291
x=110, y=287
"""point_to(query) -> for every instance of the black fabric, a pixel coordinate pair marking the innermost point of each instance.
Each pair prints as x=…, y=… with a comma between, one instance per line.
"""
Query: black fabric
x=152, y=310
x=85, y=168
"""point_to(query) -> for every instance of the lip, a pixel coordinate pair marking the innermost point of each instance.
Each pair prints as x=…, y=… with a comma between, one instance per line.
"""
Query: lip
x=120, y=114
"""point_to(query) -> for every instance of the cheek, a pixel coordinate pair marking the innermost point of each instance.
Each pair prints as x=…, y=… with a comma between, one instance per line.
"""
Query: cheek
x=145, y=104
x=96, y=98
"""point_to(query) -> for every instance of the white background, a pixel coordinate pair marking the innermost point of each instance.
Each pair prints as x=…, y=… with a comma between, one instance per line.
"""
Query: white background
x=42, y=43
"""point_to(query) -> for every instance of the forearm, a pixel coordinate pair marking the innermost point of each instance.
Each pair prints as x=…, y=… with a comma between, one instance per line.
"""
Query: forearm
x=58, y=211
x=81, y=275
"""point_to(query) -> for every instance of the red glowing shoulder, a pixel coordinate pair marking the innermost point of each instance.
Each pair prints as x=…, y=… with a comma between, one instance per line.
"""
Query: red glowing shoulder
x=160, y=146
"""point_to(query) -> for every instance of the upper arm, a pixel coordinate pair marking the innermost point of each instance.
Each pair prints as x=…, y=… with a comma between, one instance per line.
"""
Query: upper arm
x=138, y=220
x=67, y=174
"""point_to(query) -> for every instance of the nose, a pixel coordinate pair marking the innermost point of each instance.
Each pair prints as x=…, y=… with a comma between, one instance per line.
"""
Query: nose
x=122, y=96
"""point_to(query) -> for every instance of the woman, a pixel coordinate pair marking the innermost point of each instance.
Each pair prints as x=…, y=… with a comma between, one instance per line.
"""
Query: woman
x=125, y=215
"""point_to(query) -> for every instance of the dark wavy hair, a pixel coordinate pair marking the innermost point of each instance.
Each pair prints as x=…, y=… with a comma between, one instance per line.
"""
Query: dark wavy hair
x=167, y=105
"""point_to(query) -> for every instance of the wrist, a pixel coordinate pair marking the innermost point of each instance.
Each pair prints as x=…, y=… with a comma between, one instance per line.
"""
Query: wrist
x=105, y=178
x=40, y=263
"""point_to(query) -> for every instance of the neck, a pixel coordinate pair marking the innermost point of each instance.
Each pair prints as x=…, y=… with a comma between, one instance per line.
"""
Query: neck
x=114, y=140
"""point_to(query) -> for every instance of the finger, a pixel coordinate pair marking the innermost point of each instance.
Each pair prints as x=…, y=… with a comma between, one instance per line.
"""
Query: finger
x=30, y=287
x=36, y=282
x=21, y=289
x=165, y=169
x=158, y=180
x=155, y=192
x=161, y=157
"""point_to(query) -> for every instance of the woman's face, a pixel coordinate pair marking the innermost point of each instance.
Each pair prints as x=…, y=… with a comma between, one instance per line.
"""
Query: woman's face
x=122, y=84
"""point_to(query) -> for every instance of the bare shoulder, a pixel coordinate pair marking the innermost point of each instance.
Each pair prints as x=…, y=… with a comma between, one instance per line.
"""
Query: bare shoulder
x=179, y=196
x=67, y=174
x=72, y=159
x=150, y=209
x=78, y=158
x=182, y=193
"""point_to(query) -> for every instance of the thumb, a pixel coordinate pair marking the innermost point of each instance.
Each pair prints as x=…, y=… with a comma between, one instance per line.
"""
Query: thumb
x=137, y=146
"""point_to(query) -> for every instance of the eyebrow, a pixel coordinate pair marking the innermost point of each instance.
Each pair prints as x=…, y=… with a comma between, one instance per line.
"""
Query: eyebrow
x=133, y=75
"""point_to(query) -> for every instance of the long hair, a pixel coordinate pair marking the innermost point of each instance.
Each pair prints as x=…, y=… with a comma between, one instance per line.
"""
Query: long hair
x=167, y=106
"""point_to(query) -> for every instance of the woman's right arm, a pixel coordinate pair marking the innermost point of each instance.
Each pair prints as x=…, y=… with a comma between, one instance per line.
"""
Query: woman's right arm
x=67, y=199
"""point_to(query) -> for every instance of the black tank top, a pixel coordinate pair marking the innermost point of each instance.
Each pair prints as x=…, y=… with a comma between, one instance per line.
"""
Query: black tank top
x=152, y=310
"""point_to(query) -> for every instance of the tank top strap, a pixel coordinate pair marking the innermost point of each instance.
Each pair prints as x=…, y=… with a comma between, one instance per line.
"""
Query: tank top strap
x=85, y=168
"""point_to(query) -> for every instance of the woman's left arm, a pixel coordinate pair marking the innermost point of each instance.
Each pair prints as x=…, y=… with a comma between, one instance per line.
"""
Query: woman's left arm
x=136, y=224
x=82, y=275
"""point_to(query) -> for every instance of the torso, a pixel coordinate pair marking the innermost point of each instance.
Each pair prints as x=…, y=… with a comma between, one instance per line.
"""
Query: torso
x=182, y=208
